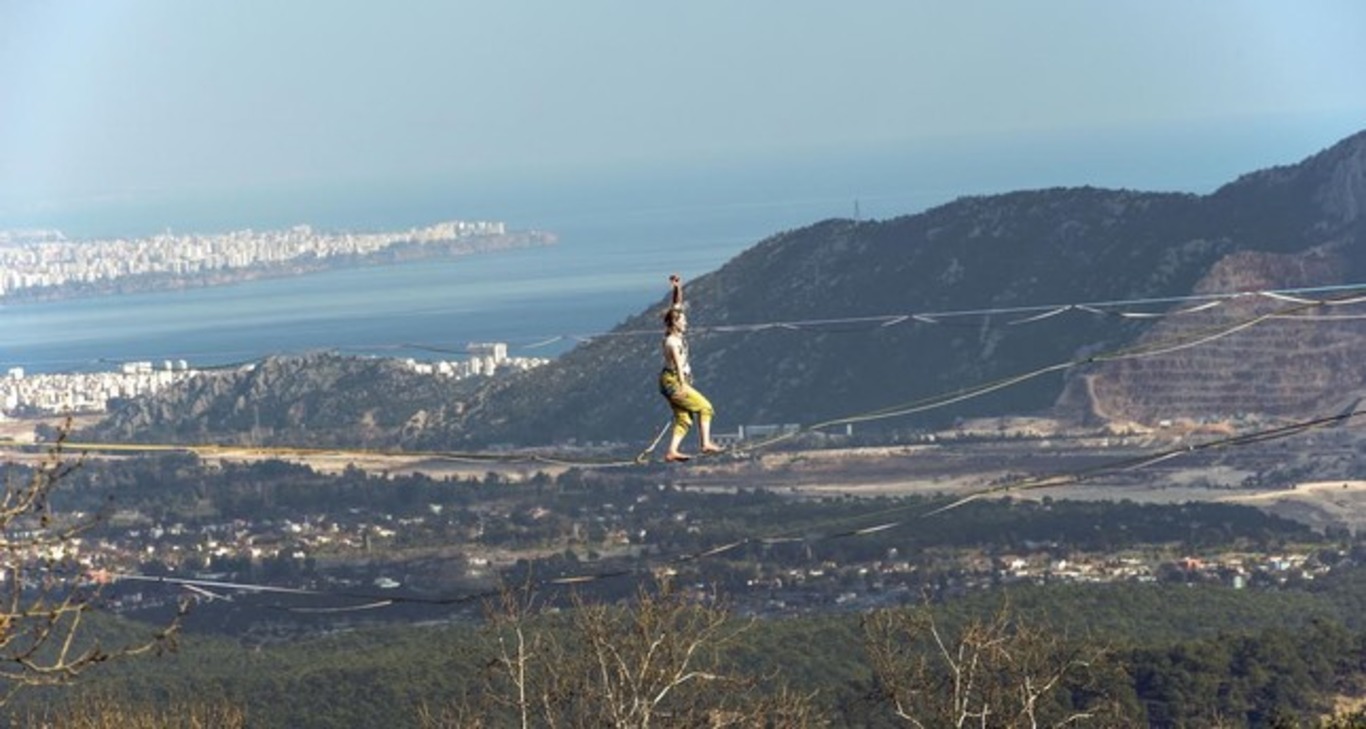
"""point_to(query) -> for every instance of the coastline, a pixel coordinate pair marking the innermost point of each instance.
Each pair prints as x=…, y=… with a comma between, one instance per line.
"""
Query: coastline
x=301, y=266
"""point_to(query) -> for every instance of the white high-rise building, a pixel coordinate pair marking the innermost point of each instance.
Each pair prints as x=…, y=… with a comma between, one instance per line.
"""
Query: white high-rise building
x=497, y=351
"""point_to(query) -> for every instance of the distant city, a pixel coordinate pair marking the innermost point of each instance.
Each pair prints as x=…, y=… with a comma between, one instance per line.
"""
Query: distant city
x=43, y=263
x=23, y=394
x=45, y=260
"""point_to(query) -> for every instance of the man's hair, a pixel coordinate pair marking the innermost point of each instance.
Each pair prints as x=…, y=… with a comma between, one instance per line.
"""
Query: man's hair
x=671, y=316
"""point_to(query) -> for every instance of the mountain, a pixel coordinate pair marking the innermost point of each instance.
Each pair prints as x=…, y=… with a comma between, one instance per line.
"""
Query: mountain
x=1292, y=226
x=1300, y=225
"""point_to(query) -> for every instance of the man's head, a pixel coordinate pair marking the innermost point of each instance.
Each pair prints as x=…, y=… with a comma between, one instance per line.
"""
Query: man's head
x=675, y=320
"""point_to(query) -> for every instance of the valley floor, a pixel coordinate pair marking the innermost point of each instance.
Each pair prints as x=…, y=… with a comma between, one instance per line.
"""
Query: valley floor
x=1280, y=477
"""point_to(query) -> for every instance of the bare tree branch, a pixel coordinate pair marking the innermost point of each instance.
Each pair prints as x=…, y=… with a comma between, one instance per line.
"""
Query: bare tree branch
x=651, y=662
x=999, y=671
x=45, y=591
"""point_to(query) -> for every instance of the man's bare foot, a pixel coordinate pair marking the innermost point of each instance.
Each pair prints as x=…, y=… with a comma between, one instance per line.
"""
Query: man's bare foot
x=712, y=448
x=676, y=457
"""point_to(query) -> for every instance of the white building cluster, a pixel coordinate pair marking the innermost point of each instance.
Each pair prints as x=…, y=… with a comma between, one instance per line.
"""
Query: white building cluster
x=40, y=260
x=85, y=392
x=90, y=392
x=484, y=359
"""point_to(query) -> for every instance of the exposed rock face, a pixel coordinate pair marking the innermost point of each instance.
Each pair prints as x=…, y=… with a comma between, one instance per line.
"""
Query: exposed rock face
x=1299, y=226
x=1344, y=197
x=1292, y=360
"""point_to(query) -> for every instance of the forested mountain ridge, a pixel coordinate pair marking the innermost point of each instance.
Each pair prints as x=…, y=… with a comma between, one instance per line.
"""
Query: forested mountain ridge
x=1290, y=226
x=1297, y=225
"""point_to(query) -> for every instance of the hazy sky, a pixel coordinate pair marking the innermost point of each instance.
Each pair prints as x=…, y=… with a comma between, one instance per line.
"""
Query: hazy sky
x=121, y=98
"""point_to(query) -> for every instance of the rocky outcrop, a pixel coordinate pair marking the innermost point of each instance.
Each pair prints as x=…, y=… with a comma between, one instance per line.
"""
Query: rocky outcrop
x=1292, y=361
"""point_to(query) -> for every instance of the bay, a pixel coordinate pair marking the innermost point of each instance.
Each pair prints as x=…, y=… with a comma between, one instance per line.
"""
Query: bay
x=603, y=269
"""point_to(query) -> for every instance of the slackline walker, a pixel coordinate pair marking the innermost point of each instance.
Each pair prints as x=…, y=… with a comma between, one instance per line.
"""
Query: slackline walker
x=675, y=382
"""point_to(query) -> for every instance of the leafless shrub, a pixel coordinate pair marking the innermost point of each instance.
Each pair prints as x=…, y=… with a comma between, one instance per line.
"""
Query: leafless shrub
x=1001, y=671
x=102, y=711
x=658, y=661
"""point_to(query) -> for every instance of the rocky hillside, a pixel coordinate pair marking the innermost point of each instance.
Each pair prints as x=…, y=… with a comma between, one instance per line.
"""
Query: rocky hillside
x=317, y=400
x=1298, y=225
x=1298, y=363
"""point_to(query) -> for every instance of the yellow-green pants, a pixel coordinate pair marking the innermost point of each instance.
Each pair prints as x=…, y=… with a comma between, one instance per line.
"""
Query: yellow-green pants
x=684, y=401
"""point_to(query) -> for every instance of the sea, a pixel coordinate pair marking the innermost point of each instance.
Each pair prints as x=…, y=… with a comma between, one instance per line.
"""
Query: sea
x=620, y=235
x=607, y=264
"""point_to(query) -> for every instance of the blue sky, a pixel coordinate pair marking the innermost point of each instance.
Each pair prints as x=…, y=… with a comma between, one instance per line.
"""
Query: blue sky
x=124, y=99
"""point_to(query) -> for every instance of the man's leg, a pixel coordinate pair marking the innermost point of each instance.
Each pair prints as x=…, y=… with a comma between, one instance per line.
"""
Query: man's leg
x=682, y=420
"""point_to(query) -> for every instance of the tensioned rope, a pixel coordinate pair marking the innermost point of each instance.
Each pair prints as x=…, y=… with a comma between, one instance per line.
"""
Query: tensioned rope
x=1348, y=294
x=1292, y=311
x=858, y=525
x=1028, y=313
x=204, y=587
x=1054, y=480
